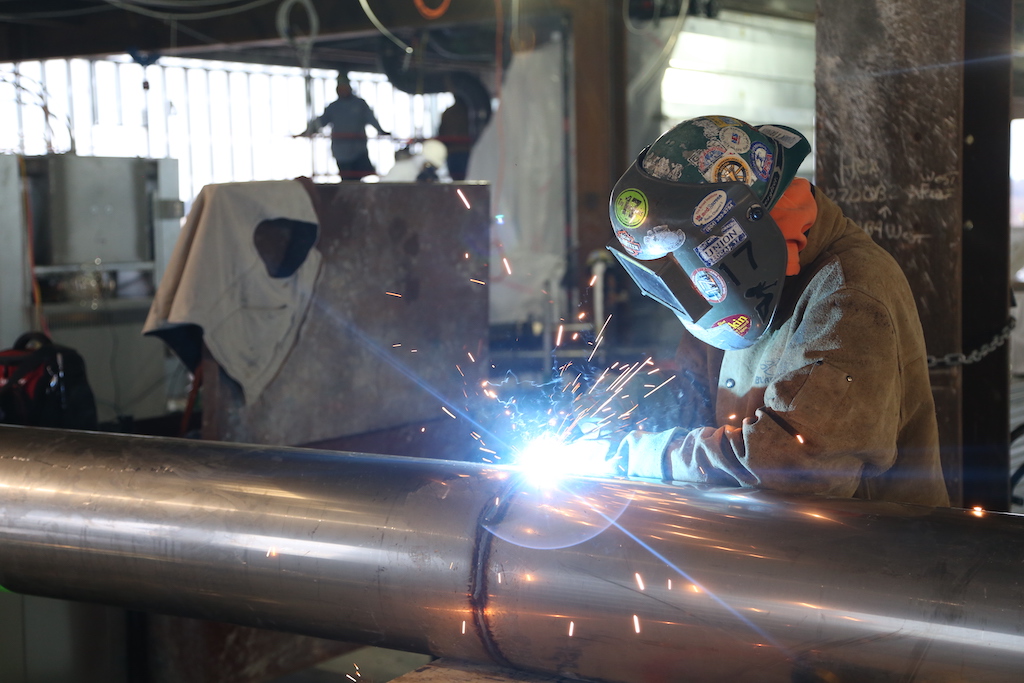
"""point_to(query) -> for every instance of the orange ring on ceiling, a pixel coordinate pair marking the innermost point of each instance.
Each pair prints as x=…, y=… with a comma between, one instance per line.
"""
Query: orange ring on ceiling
x=431, y=12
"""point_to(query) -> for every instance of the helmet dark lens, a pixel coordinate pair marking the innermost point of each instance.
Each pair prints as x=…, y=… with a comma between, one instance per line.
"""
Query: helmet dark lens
x=755, y=213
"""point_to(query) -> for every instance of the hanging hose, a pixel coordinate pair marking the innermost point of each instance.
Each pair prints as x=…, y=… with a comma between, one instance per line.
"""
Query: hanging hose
x=304, y=49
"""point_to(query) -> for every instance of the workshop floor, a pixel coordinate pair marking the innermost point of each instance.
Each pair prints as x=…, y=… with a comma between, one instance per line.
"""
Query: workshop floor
x=365, y=665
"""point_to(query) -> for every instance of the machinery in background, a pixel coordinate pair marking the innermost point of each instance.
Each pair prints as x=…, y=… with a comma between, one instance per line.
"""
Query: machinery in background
x=101, y=231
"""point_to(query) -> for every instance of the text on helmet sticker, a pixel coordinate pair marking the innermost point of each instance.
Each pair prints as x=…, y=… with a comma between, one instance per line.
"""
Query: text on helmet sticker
x=710, y=210
x=715, y=248
x=739, y=323
x=734, y=139
x=631, y=207
x=783, y=136
x=628, y=242
x=659, y=240
x=710, y=284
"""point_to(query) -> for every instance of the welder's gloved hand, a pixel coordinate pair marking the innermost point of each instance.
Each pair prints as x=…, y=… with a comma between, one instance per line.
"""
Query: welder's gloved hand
x=591, y=457
x=642, y=454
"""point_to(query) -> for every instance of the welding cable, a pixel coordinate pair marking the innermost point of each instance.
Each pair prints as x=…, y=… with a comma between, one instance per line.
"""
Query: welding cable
x=303, y=52
x=666, y=52
x=384, y=29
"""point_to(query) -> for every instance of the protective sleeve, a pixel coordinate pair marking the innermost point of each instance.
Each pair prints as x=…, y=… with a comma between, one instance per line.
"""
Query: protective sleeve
x=833, y=411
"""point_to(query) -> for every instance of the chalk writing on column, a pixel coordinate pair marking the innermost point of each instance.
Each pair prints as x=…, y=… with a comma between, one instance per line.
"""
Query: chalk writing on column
x=860, y=184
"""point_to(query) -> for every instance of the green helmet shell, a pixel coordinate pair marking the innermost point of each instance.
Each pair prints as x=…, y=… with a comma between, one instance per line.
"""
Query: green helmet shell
x=723, y=149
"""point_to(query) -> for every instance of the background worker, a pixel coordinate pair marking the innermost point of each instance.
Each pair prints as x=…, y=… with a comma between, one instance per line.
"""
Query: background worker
x=348, y=116
x=813, y=363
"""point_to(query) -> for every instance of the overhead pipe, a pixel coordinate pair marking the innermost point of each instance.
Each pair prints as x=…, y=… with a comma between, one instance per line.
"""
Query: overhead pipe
x=600, y=579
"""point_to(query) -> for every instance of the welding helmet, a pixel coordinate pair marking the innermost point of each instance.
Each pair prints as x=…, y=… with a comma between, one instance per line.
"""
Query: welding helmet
x=692, y=226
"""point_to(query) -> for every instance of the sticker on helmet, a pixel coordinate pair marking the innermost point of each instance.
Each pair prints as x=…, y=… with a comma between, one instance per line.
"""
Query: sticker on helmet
x=739, y=323
x=710, y=284
x=710, y=208
x=659, y=240
x=660, y=167
x=730, y=169
x=715, y=248
x=723, y=121
x=787, y=138
x=628, y=242
x=735, y=139
x=761, y=160
x=703, y=158
x=631, y=207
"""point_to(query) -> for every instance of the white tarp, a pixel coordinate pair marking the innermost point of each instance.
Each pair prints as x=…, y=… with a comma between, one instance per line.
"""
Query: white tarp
x=528, y=201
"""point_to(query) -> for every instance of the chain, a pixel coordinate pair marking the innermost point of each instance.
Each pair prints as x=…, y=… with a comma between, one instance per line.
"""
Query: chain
x=954, y=359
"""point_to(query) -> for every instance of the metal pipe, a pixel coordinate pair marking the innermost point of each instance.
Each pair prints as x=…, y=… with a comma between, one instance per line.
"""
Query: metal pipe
x=612, y=580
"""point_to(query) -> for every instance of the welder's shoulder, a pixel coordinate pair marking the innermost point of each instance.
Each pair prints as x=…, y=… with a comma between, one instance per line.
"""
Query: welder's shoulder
x=855, y=262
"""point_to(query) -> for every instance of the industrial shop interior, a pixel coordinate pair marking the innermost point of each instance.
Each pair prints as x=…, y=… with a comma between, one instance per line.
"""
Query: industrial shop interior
x=625, y=341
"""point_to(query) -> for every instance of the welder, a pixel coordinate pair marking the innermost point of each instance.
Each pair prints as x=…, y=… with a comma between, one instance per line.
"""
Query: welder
x=801, y=332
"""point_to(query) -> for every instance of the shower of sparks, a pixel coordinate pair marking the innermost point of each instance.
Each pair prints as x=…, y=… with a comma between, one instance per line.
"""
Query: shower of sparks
x=639, y=580
x=393, y=294
x=477, y=282
x=463, y=198
x=659, y=386
x=508, y=266
x=450, y=413
x=636, y=623
x=572, y=627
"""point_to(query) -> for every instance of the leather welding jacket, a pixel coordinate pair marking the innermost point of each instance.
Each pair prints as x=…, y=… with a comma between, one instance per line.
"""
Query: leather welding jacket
x=834, y=398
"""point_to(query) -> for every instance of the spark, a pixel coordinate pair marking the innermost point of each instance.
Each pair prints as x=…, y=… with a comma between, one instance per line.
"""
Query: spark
x=733, y=416
x=466, y=255
x=558, y=339
x=799, y=438
x=670, y=584
x=423, y=430
x=600, y=338
x=393, y=294
x=500, y=219
x=488, y=450
x=636, y=623
x=978, y=511
x=659, y=386
x=639, y=580
x=592, y=281
x=350, y=677
x=529, y=577
x=272, y=552
x=463, y=198
x=450, y=413
x=395, y=346
x=463, y=627
x=572, y=627
x=508, y=266
x=478, y=282
x=460, y=370
x=470, y=357
x=499, y=577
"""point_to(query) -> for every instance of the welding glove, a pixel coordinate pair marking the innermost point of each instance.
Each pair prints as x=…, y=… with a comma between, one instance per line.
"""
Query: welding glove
x=642, y=454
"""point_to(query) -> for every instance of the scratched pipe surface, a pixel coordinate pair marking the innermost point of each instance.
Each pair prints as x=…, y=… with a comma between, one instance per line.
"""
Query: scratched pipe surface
x=621, y=581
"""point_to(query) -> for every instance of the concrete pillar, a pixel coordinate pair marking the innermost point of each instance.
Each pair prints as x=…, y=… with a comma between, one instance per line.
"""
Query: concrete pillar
x=913, y=146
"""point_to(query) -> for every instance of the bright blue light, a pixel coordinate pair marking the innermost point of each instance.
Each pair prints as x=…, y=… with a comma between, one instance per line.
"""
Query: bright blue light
x=547, y=460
